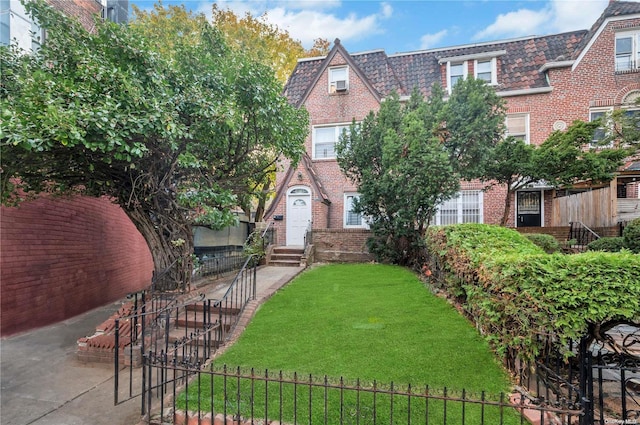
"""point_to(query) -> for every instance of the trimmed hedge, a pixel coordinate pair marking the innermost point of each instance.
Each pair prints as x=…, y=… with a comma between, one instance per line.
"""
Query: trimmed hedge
x=614, y=244
x=548, y=243
x=516, y=293
x=631, y=236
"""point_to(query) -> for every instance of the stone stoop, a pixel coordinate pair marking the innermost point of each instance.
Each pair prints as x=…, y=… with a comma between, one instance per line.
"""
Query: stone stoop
x=283, y=256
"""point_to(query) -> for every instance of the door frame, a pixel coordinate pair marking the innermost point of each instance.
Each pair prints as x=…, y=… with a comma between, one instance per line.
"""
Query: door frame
x=307, y=197
x=541, y=192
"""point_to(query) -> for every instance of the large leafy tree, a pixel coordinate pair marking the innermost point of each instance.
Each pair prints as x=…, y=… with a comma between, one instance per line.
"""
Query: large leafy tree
x=258, y=41
x=170, y=136
x=409, y=158
x=565, y=158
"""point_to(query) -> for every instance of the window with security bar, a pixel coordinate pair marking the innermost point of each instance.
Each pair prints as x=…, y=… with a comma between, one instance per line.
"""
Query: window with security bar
x=466, y=207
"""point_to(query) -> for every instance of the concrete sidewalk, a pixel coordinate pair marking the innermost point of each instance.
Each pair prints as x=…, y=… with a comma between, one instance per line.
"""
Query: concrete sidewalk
x=43, y=383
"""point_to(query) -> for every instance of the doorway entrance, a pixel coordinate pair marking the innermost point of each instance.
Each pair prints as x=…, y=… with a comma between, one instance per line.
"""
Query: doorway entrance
x=529, y=209
x=298, y=214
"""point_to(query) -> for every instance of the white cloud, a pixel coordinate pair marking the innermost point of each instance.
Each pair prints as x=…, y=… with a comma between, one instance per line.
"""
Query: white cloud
x=309, y=19
x=430, y=40
x=555, y=16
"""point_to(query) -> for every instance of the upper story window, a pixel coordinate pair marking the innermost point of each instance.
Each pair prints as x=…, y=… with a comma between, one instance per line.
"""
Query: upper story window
x=485, y=69
x=325, y=139
x=455, y=72
x=601, y=132
x=627, y=51
x=338, y=79
x=518, y=126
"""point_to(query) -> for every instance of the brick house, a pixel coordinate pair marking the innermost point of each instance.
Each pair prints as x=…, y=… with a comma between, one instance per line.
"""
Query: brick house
x=547, y=83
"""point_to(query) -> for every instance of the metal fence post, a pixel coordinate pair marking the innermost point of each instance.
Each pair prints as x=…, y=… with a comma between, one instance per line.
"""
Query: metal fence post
x=586, y=381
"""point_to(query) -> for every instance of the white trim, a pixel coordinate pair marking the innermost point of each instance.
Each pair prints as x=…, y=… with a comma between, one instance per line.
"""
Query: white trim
x=465, y=72
x=474, y=56
x=363, y=223
x=332, y=81
x=524, y=92
x=335, y=126
x=459, y=207
x=289, y=241
x=597, y=34
x=494, y=69
x=527, y=130
x=557, y=64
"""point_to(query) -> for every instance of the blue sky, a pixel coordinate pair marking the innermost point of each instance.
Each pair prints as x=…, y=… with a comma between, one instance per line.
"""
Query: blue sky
x=402, y=26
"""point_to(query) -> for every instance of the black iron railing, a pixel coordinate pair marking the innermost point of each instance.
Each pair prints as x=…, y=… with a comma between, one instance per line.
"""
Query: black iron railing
x=581, y=234
x=265, y=397
x=220, y=263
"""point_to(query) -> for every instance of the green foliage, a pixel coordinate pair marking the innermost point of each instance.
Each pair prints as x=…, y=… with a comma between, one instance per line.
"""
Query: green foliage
x=631, y=236
x=408, y=159
x=520, y=296
x=172, y=135
x=254, y=245
x=561, y=160
x=615, y=244
x=548, y=243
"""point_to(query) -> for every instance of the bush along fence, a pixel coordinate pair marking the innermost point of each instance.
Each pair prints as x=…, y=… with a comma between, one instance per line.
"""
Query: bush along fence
x=221, y=395
x=568, y=326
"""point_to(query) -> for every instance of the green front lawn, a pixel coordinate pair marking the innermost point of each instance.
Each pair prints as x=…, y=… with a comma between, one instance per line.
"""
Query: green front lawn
x=373, y=322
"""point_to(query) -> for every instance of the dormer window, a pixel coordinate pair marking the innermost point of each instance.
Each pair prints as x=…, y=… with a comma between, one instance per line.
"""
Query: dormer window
x=627, y=51
x=485, y=69
x=338, y=79
x=455, y=72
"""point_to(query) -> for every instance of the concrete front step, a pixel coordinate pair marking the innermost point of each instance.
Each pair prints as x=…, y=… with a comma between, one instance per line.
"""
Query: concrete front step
x=196, y=320
x=286, y=256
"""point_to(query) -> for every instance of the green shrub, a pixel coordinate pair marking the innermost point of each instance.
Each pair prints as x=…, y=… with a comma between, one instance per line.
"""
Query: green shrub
x=607, y=244
x=548, y=243
x=516, y=293
x=631, y=236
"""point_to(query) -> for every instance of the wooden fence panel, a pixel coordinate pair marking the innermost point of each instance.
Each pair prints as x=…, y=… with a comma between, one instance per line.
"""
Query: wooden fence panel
x=593, y=208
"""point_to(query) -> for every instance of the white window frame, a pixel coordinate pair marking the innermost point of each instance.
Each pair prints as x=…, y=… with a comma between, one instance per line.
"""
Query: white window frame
x=337, y=133
x=634, y=56
x=527, y=132
x=332, y=77
x=465, y=72
x=494, y=70
x=606, y=113
x=348, y=208
x=460, y=216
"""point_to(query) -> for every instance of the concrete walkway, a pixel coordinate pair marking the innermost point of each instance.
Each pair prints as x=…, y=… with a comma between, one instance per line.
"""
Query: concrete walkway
x=43, y=383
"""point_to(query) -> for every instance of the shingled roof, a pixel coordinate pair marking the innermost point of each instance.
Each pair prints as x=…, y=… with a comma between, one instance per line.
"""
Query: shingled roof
x=520, y=61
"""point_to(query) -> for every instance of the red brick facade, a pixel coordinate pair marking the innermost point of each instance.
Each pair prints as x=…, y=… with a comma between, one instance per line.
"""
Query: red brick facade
x=554, y=79
x=62, y=257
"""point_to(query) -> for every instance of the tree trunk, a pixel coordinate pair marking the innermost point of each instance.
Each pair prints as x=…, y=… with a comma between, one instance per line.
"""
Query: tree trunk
x=170, y=241
x=507, y=207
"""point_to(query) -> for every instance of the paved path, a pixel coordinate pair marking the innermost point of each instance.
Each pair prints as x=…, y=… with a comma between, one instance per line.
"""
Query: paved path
x=42, y=383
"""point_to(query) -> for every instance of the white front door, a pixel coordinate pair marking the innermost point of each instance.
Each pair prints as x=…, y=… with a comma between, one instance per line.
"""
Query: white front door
x=298, y=215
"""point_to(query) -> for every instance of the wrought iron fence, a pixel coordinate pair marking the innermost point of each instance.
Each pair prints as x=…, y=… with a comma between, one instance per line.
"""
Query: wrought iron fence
x=252, y=397
x=185, y=333
x=220, y=262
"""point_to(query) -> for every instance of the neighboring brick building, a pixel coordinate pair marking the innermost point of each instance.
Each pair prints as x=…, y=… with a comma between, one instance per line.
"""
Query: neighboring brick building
x=60, y=257
x=547, y=82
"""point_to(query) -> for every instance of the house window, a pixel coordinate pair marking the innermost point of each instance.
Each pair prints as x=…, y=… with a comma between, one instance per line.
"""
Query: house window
x=325, y=139
x=627, y=51
x=351, y=218
x=338, y=79
x=455, y=72
x=486, y=70
x=518, y=126
x=466, y=207
x=601, y=132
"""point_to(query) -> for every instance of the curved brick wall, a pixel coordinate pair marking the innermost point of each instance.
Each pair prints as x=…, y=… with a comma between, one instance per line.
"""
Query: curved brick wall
x=62, y=257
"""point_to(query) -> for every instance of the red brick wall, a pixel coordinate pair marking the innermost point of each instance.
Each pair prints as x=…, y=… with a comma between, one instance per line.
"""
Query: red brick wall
x=62, y=257
x=341, y=245
x=83, y=10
